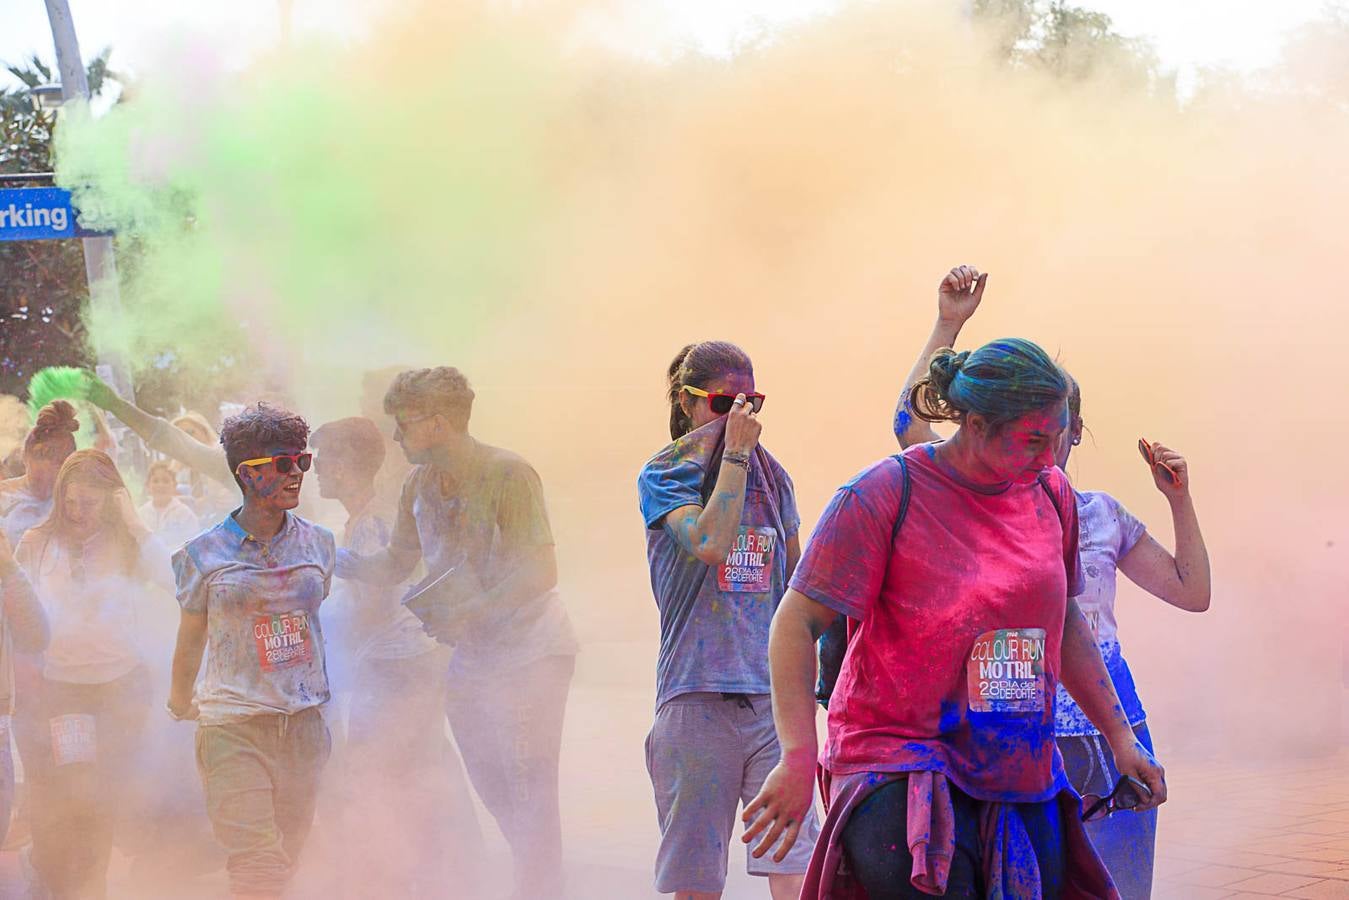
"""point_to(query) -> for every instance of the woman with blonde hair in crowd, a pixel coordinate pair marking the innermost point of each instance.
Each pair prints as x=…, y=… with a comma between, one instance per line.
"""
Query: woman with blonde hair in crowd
x=89, y=562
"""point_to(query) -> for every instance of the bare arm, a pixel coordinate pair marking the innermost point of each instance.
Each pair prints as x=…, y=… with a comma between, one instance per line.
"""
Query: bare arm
x=27, y=622
x=187, y=656
x=1183, y=580
x=161, y=435
x=958, y=297
x=1085, y=676
x=708, y=532
x=787, y=792
x=103, y=437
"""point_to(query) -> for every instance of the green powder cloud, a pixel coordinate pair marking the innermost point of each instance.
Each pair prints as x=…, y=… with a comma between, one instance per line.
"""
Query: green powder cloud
x=334, y=201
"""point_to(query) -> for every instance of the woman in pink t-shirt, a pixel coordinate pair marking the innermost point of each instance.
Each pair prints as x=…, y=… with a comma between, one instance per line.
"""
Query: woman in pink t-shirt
x=1112, y=541
x=940, y=770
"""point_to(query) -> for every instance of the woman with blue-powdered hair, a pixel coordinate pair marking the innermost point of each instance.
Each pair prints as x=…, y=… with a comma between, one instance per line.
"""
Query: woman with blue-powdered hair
x=1111, y=540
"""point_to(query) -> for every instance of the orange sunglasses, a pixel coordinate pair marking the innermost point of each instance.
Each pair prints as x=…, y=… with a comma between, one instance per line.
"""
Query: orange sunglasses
x=1145, y=448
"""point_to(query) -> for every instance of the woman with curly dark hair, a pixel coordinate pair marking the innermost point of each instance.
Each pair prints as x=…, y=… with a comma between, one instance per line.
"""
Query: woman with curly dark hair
x=250, y=590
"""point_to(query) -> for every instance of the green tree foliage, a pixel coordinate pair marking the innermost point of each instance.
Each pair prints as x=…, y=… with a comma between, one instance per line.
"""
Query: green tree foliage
x=1071, y=43
x=43, y=287
x=1315, y=64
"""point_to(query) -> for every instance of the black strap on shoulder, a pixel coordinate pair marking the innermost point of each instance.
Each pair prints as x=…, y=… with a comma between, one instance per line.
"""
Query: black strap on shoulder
x=834, y=642
x=904, y=491
x=1054, y=499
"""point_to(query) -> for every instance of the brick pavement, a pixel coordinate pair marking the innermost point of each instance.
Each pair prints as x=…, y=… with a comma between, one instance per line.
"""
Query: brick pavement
x=1260, y=830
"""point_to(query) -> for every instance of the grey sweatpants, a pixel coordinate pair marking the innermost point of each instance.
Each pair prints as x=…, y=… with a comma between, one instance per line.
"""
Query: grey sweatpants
x=707, y=754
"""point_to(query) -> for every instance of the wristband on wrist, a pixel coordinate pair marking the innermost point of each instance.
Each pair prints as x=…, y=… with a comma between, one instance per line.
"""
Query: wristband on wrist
x=173, y=715
x=737, y=459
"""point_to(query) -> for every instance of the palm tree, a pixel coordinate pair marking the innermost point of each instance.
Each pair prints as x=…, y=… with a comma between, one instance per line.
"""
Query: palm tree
x=25, y=129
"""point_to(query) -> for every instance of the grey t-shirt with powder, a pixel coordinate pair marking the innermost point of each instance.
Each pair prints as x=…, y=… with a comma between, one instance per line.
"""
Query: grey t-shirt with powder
x=714, y=619
x=265, y=651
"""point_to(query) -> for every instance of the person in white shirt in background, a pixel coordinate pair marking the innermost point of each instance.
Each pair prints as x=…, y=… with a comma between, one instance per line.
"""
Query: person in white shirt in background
x=170, y=519
x=400, y=788
x=23, y=628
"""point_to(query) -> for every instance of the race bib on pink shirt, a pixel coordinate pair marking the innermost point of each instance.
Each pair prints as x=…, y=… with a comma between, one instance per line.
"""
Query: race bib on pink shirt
x=749, y=565
x=1006, y=671
x=284, y=641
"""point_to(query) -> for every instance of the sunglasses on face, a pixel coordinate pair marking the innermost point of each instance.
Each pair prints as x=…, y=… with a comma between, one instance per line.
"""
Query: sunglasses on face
x=721, y=403
x=1145, y=448
x=1129, y=793
x=285, y=462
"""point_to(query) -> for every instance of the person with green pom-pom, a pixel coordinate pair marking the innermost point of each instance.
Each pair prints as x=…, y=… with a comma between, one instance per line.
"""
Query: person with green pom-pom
x=188, y=439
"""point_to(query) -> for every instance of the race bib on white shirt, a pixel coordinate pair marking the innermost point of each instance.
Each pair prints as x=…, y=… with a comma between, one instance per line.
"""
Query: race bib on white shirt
x=74, y=739
x=284, y=641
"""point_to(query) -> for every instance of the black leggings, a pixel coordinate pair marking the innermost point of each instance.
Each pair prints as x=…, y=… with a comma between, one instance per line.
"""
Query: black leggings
x=876, y=845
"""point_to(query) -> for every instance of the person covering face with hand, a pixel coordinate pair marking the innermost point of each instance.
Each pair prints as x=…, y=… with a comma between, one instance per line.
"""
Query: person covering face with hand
x=722, y=541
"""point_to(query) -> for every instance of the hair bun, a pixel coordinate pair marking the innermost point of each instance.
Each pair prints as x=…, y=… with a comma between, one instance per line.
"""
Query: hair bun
x=944, y=367
x=55, y=419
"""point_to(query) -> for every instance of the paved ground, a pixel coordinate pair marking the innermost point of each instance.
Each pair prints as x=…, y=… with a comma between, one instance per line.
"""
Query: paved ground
x=1280, y=829
x=1269, y=829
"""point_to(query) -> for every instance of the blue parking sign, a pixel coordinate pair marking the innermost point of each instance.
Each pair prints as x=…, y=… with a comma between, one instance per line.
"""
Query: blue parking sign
x=39, y=214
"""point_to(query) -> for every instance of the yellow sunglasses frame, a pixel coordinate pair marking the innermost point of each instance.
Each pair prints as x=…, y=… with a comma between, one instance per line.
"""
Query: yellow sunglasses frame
x=264, y=460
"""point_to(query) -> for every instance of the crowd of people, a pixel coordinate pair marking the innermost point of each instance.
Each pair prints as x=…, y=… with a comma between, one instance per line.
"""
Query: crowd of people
x=953, y=610
x=295, y=711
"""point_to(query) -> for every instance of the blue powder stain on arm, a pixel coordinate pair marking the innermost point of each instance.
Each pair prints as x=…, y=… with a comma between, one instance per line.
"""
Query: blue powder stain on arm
x=903, y=418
